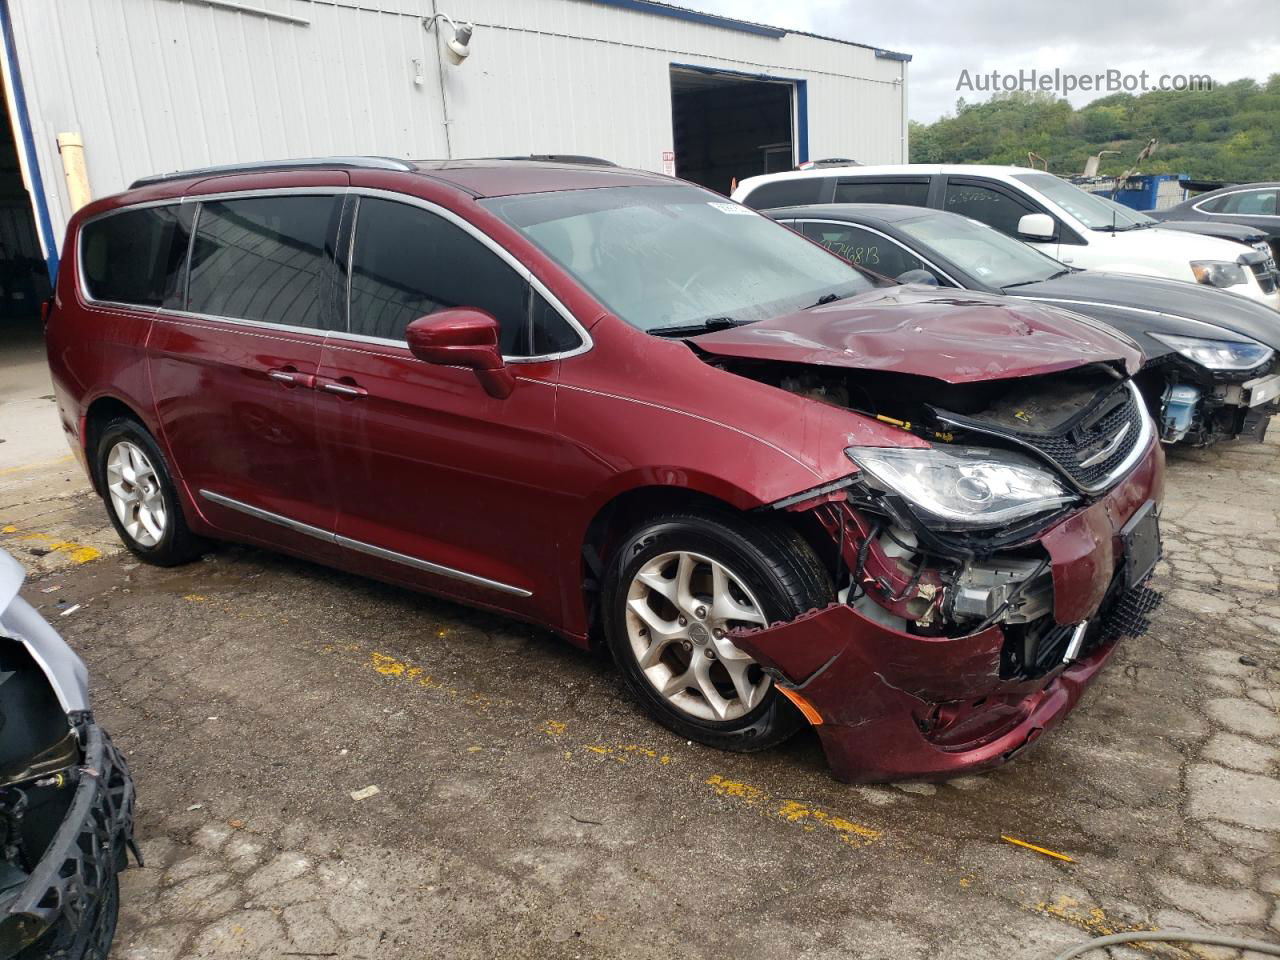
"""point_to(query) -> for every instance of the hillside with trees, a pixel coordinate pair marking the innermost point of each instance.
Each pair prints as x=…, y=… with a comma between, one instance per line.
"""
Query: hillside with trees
x=1231, y=133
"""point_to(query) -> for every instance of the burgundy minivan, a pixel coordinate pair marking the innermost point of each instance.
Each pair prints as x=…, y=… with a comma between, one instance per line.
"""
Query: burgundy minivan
x=617, y=405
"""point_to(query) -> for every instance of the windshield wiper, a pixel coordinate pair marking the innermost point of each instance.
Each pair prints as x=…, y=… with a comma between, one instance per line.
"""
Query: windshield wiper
x=693, y=329
x=826, y=298
x=1026, y=283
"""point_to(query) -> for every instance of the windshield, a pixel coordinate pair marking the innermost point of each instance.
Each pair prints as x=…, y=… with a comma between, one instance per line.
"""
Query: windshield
x=1093, y=210
x=991, y=256
x=675, y=256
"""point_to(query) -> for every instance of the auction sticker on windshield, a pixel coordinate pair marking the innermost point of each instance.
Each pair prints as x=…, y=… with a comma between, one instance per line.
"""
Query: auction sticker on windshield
x=731, y=208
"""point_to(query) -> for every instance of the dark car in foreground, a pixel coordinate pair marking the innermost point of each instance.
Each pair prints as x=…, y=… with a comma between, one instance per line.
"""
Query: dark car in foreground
x=1253, y=205
x=623, y=408
x=1212, y=366
x=66, y=799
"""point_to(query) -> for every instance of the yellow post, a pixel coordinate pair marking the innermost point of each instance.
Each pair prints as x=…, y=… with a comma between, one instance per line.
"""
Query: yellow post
x=71, y=147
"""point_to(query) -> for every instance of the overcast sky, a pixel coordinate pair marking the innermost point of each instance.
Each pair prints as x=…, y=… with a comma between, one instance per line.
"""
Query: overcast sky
x=1227, y=39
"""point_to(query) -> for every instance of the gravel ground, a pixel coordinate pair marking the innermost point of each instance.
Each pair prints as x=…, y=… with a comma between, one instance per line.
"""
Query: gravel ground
x=525, y=808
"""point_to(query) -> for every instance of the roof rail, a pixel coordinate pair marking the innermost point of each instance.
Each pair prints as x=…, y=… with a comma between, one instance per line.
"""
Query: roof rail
x=264, y=166
x=563, y=158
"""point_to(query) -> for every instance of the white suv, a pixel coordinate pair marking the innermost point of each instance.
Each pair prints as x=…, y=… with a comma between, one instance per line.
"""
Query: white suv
x=1078, y=228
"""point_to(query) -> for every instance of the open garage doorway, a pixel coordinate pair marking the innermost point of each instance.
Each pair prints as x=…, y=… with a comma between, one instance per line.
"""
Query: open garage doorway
x=729, y=126
x=24, y=284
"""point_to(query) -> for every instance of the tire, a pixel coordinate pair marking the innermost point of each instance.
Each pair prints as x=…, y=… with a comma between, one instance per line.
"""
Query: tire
x=175, y=543
x=684, y=672
x=90, y=939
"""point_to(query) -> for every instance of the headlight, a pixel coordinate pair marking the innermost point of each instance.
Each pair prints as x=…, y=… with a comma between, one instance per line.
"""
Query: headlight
x=1218, y=273
x=963, y=487
x=1218, y=354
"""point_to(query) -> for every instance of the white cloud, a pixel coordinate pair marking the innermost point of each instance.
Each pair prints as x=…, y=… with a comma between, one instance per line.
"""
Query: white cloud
x=1228, y=39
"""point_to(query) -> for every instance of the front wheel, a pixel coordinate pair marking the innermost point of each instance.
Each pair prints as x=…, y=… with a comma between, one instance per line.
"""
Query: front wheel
x=675, y=589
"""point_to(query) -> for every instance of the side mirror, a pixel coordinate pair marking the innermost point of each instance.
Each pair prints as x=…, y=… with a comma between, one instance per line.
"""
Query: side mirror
x=1036, y=226
x=918, y=275
x=463, y=337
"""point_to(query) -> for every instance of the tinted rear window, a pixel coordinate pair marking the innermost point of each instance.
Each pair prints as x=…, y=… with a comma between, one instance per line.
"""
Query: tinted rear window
x=263, y=258
x=137, y=257
x=786, y=193
x=908, y=193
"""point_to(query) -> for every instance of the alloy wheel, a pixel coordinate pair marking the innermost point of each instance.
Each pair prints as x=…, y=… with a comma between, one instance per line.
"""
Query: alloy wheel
x=680, y=608
x=136, y=494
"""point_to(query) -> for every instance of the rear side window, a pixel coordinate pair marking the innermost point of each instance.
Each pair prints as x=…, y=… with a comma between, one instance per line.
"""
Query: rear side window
x=263, y=259
x=786, y=193
x=137, y=257
x=909, y=193
x=992, y=207
x=408, y=263
x=1249, y=202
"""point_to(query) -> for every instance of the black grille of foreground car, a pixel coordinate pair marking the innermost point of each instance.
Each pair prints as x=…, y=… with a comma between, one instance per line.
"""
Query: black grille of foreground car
x=1076, y=450
x=1093, y=449
x=1036, y=648
x=1130, y=615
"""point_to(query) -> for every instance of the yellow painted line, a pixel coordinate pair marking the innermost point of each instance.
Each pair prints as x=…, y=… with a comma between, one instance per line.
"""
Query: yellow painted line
x=1096, y=922
x=36, y=466
x=77, y=552
x=1031, y=846
x=808, y=818
x=390, y=666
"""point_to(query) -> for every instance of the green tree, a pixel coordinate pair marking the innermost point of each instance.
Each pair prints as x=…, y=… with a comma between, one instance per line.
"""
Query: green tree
x=1231, y=132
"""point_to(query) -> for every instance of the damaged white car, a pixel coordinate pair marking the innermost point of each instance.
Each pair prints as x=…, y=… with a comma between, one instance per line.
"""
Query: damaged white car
x=66, y=798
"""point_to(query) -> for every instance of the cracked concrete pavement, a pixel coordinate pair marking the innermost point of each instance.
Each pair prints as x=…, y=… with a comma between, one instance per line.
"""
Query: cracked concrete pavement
x=525, y=807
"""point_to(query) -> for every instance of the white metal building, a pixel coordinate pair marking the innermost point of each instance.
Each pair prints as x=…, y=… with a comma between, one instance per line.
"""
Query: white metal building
x=157, y=85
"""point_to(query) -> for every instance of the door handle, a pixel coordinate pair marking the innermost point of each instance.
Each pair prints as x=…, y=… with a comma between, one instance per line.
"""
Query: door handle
x=344, y=389
x=291, y=377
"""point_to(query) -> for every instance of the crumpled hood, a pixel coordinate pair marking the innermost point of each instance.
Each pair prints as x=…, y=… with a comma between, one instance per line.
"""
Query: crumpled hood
x=954, y=335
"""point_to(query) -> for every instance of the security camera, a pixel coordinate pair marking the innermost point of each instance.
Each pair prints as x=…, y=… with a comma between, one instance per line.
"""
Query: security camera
x=458, y=47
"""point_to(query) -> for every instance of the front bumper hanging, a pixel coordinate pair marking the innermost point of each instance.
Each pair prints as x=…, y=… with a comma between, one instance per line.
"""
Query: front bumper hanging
x=73, y=886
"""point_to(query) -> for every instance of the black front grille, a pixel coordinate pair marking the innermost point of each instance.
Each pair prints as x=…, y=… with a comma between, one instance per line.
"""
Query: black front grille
x=1069, y=449
x=1130, y=615
x=1266, y=276
x=1033, y=649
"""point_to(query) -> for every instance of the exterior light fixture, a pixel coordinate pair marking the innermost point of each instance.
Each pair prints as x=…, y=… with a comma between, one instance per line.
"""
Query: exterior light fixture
x=458, y=47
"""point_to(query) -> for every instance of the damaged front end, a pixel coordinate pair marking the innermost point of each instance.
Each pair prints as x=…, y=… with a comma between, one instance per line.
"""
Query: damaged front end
x=983, y=579
x=1231, y=393
x=66, y=797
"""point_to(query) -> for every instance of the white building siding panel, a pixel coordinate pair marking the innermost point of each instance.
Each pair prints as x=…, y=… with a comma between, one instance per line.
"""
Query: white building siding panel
x=157, y=85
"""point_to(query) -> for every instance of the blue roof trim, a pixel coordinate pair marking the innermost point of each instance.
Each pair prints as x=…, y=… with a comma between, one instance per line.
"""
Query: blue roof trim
x=742, y=26
x=694, y=16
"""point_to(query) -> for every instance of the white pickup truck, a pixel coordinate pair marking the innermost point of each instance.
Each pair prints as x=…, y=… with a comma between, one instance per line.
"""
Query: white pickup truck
x=1057, y=217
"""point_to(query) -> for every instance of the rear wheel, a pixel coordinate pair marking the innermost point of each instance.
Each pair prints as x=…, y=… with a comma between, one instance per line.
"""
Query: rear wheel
x=141, y=498
x=675, y=590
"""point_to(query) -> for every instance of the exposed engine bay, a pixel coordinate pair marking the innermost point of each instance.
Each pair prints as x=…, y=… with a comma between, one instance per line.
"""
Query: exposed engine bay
x=1198, y=407
x=925, y=574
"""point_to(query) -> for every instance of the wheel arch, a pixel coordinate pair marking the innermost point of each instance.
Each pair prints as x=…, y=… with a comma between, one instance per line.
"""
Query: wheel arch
x=620, y=513
x=101, y=411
